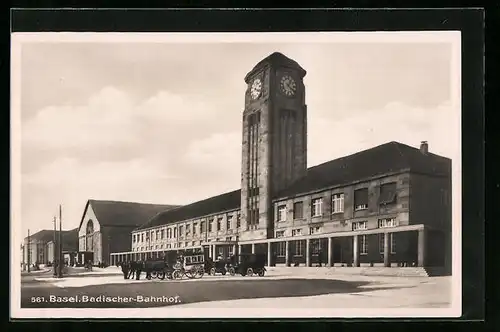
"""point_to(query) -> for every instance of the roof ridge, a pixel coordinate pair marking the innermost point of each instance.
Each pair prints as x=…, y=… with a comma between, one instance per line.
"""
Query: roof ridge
x=130, y=202
x=353, y=154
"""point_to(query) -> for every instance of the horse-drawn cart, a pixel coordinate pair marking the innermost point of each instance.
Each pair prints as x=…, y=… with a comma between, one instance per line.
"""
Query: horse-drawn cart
x=191, y=266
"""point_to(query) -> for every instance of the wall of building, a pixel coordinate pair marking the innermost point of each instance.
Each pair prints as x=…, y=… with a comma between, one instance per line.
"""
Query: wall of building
x=430, y=202
x=175, y=240
x=330, y=221
x=38, y=252
x=115, y=239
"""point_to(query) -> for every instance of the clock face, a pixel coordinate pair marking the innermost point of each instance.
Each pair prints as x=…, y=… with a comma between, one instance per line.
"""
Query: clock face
x=288, y=85
x=256, y=88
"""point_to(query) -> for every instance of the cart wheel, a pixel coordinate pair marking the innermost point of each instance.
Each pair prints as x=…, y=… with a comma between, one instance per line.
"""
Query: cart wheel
x=154, y=274
x=212, y=271
x=200, y=272
x=232, y=271
x=161, y=275
x=261, y=273
x=250, y=271
x=177, y=274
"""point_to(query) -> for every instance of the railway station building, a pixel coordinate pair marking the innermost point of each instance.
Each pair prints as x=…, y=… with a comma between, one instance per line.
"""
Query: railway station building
x=386, y=206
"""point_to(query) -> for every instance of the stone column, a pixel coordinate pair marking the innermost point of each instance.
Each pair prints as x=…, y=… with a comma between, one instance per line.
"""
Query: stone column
x=421, y=247
x=355, y=251
x=253, y=248
x=308, y=252
x=239, y=249
x=287, y=253
x=234, y=249
x=387, y=249
x=215, y=252
x=269, y=256
x=330, y=252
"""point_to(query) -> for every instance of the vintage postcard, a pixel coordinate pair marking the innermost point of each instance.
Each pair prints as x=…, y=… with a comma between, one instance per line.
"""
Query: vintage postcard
x=202, y=175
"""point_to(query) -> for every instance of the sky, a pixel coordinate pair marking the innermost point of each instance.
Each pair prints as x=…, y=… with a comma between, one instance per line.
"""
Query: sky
x=161, y=122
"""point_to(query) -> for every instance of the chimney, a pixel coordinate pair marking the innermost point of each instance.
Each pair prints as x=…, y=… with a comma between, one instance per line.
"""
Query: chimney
x=424, y=147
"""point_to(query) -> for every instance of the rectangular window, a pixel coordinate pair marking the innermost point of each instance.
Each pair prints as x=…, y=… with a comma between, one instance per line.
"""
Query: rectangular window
x=210, y=225
x=296, y=232
x=363, y=245
x=133, y=238
x=175, y=232
x=188, y=229
x=361, y=199
x=282, y=213
x=387, y=222
x=299, y=248
x=162, y=234
x=314, y=230
x=280, y=234
x=337, y=203
x=186, y=244
x=281, y=249
x=219, y=224
x=392, y=244
x=317, y=207
x=147, y=236
x=195, y=226
x=203, y=227
x=298, y=210
x=359, y=225
x=181, y=230
x=387, y=193
x=157, y=235
x=228, y=222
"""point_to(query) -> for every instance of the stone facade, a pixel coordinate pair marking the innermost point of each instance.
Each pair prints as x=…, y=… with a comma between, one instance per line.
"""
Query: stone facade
x=193, y=233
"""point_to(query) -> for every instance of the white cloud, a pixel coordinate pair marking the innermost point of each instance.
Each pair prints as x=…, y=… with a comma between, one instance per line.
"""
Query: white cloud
x=111, y=118
x=329, y=139
x=219, y=153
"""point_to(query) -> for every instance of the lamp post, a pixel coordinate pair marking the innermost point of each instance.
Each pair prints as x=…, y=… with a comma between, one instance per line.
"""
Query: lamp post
x=59, y=272
x=29, y=249
x=55, y=249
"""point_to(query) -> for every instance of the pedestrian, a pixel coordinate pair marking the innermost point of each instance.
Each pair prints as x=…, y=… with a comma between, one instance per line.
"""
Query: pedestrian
x=320, y=257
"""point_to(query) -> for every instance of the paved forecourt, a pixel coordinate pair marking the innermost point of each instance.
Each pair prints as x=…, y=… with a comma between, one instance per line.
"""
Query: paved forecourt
x=112, y=291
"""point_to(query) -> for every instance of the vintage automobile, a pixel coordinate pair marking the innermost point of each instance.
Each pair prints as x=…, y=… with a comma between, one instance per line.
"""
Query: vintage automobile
x=191, y=266
x=219, y=266
x=247, y=264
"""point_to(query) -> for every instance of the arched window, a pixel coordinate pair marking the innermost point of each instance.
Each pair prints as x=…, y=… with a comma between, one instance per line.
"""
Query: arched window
x=89, y=232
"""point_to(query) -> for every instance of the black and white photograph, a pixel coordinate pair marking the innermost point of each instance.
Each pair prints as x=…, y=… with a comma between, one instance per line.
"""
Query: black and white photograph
x=218, y=175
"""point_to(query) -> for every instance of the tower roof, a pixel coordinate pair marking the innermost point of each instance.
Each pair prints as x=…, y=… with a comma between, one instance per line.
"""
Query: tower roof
x=276, y=59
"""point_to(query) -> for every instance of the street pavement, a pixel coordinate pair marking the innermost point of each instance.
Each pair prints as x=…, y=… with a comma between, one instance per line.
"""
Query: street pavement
x=281, y=288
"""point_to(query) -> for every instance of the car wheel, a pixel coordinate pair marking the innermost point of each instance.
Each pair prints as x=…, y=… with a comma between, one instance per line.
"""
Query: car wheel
x=261, y=273
x=250, y=271
x=232, y=271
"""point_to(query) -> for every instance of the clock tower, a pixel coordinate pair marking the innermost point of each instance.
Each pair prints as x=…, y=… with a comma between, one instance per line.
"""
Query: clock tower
x=274, y=140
